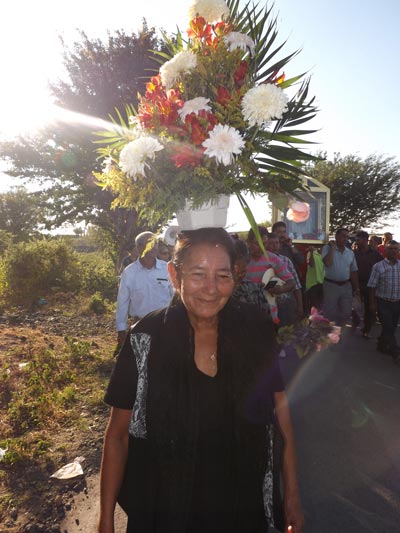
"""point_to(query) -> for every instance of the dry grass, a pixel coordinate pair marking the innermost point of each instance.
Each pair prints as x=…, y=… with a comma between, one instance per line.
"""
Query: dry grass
x=52, y=378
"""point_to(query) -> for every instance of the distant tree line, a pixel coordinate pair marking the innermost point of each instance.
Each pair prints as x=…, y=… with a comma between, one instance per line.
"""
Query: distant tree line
x=363, y=191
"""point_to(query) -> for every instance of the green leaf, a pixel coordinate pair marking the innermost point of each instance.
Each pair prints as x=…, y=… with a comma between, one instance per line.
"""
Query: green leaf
x=252, y=221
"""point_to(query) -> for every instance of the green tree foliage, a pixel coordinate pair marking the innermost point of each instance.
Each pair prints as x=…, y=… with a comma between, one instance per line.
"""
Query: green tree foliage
x=99, y=77
x=35, y=269
x=363, y=191
x=30, y=270
x=21, y=213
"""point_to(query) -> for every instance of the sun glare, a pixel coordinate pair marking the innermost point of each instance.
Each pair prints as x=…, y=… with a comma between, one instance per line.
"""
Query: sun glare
x=21, y=115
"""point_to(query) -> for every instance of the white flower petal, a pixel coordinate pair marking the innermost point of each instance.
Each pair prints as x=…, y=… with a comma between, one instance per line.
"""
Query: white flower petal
x=194, y=106
x=133, y=157
x=211, y=10
x=235, y=39
x=264, y=103
x=172, y=70
x=223, y=143
x=108, y=165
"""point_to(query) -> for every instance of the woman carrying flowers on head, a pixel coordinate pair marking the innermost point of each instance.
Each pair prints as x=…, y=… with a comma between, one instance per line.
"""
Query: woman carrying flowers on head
x=197, y=402
x=196, y=394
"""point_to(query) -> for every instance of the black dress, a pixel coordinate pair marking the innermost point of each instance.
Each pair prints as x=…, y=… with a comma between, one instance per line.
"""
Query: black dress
x=211, y=505
x=200, y=448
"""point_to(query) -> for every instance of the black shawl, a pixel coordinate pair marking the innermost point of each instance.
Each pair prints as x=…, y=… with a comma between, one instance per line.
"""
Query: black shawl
x=161, y=467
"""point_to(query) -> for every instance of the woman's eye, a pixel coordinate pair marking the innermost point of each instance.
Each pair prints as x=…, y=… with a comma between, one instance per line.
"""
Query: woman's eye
x=224, y=277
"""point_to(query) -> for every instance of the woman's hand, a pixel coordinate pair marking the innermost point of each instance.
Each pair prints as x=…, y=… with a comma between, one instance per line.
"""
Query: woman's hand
x=294, y=516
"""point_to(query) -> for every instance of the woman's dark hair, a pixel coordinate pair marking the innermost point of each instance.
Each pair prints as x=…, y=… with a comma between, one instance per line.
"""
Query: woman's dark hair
x=214, y=236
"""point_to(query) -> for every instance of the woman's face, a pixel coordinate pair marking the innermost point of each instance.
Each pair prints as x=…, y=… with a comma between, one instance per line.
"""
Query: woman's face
x=205, y=281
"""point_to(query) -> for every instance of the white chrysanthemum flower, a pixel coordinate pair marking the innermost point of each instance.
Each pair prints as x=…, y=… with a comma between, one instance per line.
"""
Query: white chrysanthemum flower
x=133, y=157
x=211, y=10
x=235, y=39
x=175, y=67
x=223, y=143
x=194, y=106
x=264, y=103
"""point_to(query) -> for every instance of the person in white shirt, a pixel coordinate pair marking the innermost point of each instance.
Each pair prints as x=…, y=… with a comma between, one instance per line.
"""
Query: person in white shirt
x=144, y=285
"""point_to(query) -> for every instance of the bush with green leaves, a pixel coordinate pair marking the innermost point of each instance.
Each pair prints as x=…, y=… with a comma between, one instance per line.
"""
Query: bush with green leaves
x=97, y=273
x=30, y=270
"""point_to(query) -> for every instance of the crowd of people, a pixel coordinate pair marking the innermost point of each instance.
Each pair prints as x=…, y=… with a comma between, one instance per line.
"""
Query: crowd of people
x=199, y=437
x=336, y=279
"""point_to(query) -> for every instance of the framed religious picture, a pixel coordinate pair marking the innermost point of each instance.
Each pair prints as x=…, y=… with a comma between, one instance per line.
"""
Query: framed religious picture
x=306, y=214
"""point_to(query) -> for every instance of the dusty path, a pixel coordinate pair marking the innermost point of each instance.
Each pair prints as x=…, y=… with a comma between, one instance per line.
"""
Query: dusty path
x=84, y=512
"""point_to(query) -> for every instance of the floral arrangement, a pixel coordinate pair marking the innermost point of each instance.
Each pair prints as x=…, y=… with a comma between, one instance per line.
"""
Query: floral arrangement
x=310, y=334
x=217, y=118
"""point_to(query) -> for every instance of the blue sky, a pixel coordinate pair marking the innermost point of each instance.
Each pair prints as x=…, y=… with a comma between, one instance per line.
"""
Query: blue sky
x=351, y=49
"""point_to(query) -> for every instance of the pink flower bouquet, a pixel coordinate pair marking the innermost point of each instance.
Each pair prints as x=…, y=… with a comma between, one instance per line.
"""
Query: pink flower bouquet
x=310, y=334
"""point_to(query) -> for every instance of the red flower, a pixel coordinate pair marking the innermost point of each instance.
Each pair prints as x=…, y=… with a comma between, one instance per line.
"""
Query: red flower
x=198, y=125
x=222, y=28
x=186, y=156
x=240, y=73
x=208, y=119
x=158, y=107
x=223, y=95
x=198, y=133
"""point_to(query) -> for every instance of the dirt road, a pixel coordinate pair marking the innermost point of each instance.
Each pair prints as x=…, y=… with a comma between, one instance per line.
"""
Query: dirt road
x=84, y=512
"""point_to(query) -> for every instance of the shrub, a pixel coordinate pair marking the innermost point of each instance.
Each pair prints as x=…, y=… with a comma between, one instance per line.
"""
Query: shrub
x=97, y=304
x=30, y=269
x=98, y=274
x=6, y=240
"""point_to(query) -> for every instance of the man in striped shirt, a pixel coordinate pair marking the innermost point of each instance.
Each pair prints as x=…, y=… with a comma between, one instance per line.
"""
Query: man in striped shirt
x=290, y=304
x=259, y=263
x=384, y=284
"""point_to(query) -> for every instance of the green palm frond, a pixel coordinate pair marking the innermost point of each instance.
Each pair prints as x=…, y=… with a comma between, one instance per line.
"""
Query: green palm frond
x=173, y=45
x=120, y=131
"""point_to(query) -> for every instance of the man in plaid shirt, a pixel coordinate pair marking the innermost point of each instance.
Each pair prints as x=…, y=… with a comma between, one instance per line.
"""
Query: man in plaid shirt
x=384, y=284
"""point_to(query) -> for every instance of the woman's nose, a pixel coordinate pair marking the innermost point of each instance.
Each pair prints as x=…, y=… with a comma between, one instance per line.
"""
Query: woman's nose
x=211, y=284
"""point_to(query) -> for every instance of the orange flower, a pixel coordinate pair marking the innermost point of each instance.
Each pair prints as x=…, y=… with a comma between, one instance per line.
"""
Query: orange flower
x=199, y=28
x=275, y=79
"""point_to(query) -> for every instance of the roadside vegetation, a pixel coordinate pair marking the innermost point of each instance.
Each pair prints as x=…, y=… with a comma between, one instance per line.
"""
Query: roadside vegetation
x=56, y=353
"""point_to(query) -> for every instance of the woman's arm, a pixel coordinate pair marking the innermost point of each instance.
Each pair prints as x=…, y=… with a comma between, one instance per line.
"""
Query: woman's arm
x=115, y=454
x=294, y=516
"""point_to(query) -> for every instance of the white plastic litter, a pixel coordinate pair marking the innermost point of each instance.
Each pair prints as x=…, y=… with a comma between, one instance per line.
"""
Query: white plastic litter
x=70, y=470
x=2, y=453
